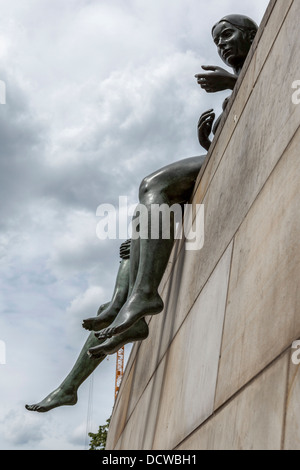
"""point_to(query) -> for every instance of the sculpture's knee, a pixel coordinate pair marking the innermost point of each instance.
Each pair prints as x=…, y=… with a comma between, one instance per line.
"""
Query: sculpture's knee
x=145, y=190
x=151, y=190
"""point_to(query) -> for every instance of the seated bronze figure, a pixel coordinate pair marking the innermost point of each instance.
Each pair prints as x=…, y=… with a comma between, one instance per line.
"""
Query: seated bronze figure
x=143, y=261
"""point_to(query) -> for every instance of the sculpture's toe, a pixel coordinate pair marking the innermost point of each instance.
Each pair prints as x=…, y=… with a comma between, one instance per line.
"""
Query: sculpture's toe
x=103, y=334
x=95, y=353
x=86, y=325
x=33, y=408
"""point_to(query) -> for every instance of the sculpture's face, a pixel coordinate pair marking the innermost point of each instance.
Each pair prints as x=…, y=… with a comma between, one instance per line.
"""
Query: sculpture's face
x=232, y=43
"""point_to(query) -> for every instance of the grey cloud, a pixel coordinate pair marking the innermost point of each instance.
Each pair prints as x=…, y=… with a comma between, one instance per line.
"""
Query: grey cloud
x=21, y=429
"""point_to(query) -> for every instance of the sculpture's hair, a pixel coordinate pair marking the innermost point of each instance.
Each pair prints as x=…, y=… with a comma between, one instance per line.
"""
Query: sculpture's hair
x=244, y=23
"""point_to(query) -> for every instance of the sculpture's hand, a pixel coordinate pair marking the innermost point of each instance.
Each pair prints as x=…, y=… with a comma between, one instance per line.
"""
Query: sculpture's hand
x=218, y=80
x=205, y=125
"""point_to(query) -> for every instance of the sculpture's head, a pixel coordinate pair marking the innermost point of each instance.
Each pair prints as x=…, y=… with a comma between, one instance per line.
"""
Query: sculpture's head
x=234, y=35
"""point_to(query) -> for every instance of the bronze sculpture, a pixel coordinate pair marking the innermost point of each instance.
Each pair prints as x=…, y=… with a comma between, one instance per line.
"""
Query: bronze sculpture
x=136, y=292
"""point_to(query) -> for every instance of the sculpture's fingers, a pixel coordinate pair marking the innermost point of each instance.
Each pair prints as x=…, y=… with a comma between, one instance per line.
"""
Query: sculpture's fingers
x=206, y=117
x=100, y=336
x=209, y=121
x=207, y=112
x=103, y=334
x=212, y=68
x=203, y=79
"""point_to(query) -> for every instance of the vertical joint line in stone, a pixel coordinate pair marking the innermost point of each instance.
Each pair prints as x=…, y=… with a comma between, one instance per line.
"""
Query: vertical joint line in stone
x=226, y=301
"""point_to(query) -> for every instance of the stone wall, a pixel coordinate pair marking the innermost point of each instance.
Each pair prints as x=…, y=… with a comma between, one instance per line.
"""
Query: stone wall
x=216, y=371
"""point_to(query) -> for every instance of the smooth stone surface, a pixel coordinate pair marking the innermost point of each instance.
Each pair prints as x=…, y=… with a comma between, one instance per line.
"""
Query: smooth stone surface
x=187, y=399
x=253, y=420
x=166, y=326
x=262, y=315
x=141, y=425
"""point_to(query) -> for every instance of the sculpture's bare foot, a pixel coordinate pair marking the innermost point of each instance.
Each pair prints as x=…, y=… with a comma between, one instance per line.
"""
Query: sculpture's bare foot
x=138, y=332
x=138, y=306
x=59, y=397
x=101, y=321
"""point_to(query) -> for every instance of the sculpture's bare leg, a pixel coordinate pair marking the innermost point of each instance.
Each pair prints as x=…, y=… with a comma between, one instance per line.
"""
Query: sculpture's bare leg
x=139, y=331
x=106, y=317
x=171, y=185
x=134, y=263
x=66, y=393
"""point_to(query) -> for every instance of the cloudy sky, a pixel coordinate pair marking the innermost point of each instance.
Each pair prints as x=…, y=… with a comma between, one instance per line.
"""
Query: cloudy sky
x=99, y=93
